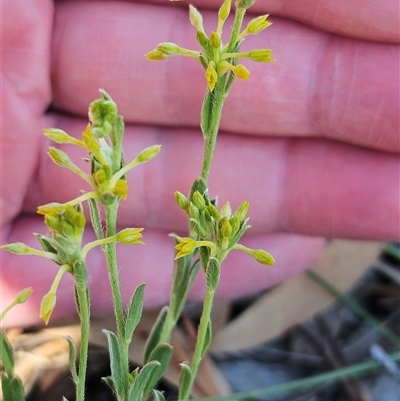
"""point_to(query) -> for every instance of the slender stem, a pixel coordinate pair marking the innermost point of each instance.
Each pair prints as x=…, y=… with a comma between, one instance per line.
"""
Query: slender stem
x=201, y=345
x=180, y=279
x=237, y=24
x=214, y=113
x=111, y=256
x=83, y=303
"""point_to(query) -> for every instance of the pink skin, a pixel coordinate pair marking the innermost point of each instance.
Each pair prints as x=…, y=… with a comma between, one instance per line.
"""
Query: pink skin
x=312, y=141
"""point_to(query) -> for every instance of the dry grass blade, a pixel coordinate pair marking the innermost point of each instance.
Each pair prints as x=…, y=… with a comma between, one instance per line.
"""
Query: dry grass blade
x=38, y=353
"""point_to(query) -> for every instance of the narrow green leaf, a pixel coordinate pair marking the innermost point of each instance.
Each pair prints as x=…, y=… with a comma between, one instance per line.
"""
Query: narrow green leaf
x=110, y=383
x=134, y=312
x=12, y=388
x=162, y=353
x=181, y=268
x=5, y=387
x=204, y=256
x=95, y=218
x=6, y=354
x=17, y=389
x=185, y=378
x=193, y=273
x=198, y=185
x=46, y=243
x=136, y=390
x=206, y=114
x=116, y=363
x=155, y=334
x=155, y=395
x=133, y=375
x=213, y=274
x=185, y=289
x=72, y=358
x=207, y=339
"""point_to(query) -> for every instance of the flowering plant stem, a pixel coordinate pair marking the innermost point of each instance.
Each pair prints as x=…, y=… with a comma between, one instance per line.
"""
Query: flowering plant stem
x=109, y=249
x=202, y=342
x=211, y=117
x=111, y=256
x=83, y=307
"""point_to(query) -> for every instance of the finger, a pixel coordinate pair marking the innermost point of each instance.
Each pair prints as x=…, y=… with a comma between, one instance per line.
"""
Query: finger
x=313, y=187
x=321, y=85
x=362, y=19
x=151, y=263
x=25, y=85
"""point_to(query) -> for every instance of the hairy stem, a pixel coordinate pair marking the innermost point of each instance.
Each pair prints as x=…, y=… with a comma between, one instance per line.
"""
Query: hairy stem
x=211, y=117
x=201, y=345
x=83, y=306
x=111, y=256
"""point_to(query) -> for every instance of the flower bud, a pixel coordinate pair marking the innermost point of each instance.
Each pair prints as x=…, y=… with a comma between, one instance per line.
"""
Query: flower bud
x=47, y=306
x=23, y=295
x=181, y=200
x=242, y=210
x=223, y=68
x=213, y=211
x=224, y=11
x=193, y=211
x=62, y=159
x=19, y=248
x=169, y=49
x=59, y=136
x=121, y=189
x=195, y=18
x=257, y=25
x=103, y=113
x=244, y=3
x=51, y=209
x=240, y=71
x=148, y=154
x=92, y=143
x=204, y=42
x=226, y=210
x=100, y=176
x=156, y=55
x=215, y=40
x=198, y=200
x=130, y=236
x=261, y=55
x=235, y=223
x=225, y=228
x=52, y=223
x=263, y=257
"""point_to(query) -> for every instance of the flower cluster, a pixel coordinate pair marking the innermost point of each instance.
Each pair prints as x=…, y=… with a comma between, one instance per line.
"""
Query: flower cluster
x=66, y=222
x=216, y=57
x=217, y=230
x=103, y=141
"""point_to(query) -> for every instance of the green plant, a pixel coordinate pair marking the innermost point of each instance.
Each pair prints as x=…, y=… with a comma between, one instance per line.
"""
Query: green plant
x=11, y=385
x=213, y=232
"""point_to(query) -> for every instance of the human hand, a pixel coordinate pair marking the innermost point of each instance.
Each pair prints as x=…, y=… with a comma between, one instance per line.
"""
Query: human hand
x=312, y=141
